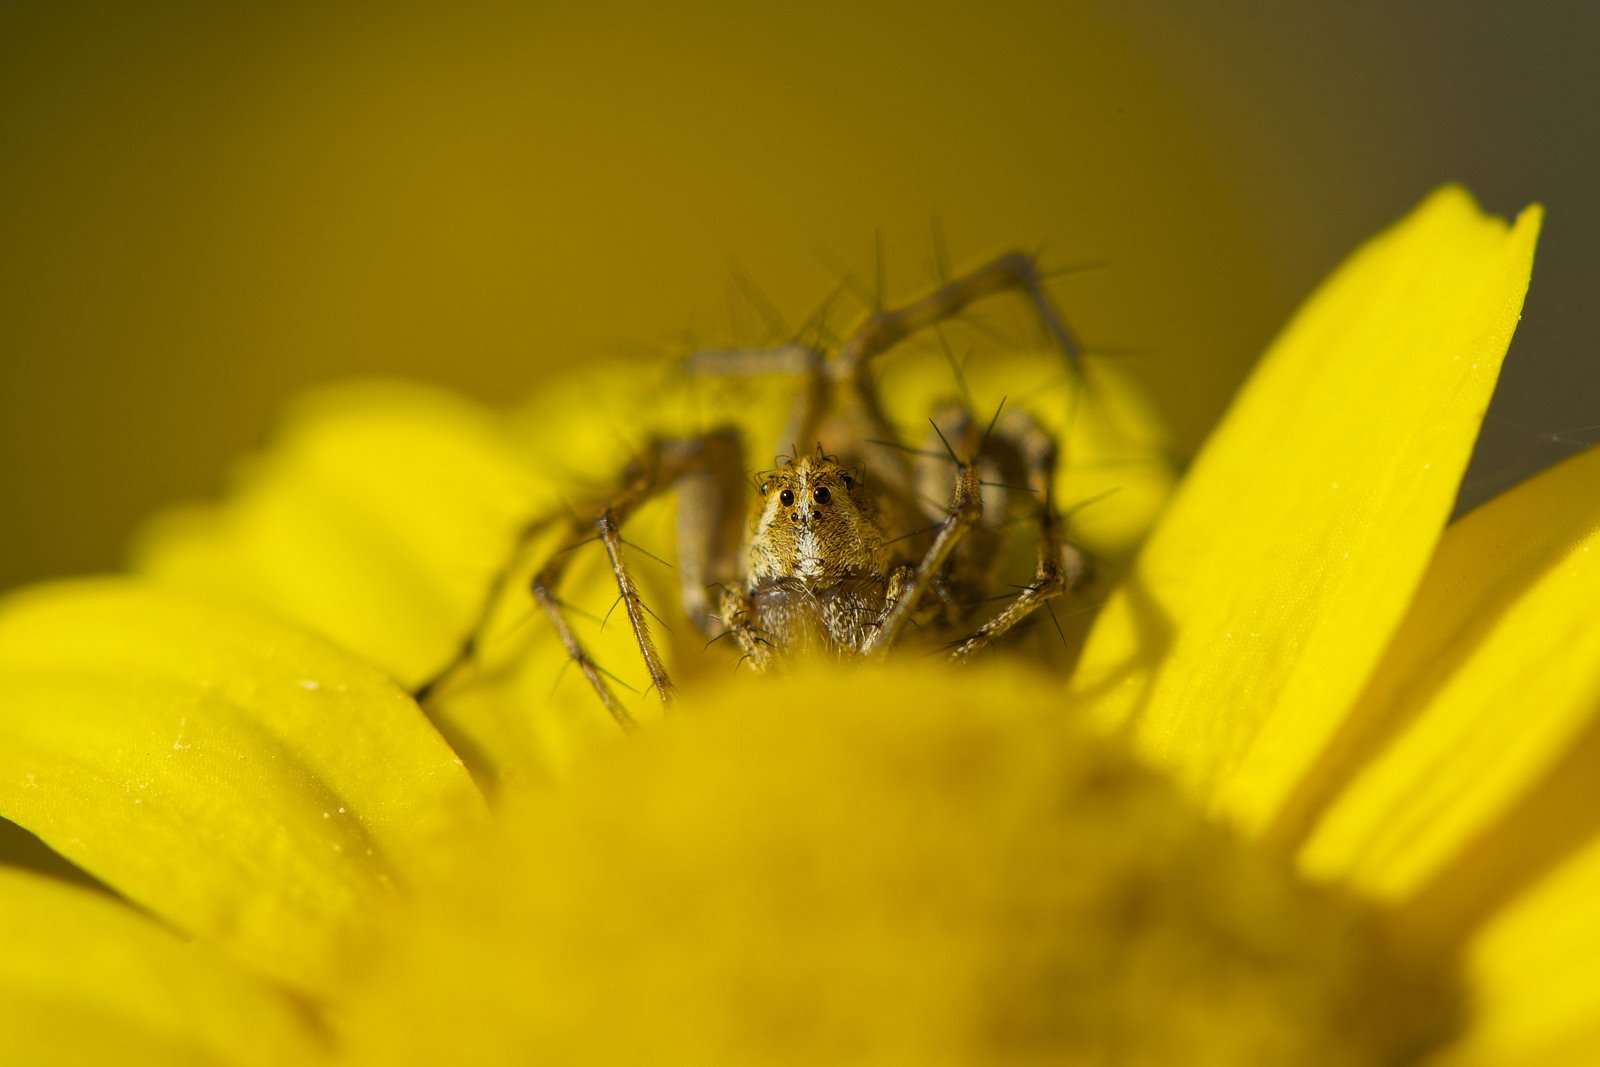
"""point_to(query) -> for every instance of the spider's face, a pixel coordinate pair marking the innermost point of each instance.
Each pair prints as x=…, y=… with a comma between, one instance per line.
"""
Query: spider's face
x=815, y=518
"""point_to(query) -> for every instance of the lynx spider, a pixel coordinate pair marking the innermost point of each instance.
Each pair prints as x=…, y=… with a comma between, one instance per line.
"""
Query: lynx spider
x=809, y=567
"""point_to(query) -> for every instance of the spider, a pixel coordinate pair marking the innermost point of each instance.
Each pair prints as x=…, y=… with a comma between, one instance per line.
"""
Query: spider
x=806, y=566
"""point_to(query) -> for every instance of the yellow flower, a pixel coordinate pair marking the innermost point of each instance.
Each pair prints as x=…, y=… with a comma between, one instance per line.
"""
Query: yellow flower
x=1321, y=789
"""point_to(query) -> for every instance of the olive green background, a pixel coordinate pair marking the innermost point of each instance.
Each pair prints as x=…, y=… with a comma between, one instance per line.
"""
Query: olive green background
x=204, y=208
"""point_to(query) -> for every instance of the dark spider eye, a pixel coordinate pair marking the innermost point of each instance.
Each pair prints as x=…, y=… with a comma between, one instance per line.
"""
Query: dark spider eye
x=786, y=497
x=763, y=489
x=822, y=496
x=848, y=481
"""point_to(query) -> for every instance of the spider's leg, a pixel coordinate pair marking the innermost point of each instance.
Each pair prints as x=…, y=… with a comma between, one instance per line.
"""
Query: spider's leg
x=609, y=524
x=700, y=467
x=543, y=588
x=816, y=401
x=796, y=358
x=1014, y=271
x=738, y=615
x=696, y=464
x=480, y=623
x=1060, y=566
x=713, y=496
x=908, y=585
x=791, y=358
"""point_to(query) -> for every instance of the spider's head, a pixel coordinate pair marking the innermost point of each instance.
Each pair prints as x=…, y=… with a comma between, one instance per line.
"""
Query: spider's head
x=815, y=518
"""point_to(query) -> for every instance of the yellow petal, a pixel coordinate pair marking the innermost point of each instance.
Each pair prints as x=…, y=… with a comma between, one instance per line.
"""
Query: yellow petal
x=86, y=979
x=376, y=520
x=380, y=519
x=1491, y=687
x=243, y=780
x=1533, y=973
x=1256, y=611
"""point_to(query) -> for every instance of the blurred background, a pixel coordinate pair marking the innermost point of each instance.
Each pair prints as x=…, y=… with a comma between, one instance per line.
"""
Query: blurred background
x=205, y=208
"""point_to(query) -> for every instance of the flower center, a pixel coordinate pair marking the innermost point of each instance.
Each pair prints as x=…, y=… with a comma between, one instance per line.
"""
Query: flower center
x=885, y=868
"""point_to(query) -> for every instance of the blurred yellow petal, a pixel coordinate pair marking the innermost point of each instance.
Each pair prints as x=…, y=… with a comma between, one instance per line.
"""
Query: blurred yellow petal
x=1492, y=684
x=376, y=520
x=927, y=866
x=245, y=781
x=86, y=979
x=1533, y=971
x=1117, y=469
x=1270, y=587
x=379, y=519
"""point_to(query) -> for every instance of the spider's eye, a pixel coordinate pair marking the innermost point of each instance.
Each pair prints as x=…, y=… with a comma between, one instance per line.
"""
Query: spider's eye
x=848, y=481
x=822, y=496
x=786, y=497
x=763, y=489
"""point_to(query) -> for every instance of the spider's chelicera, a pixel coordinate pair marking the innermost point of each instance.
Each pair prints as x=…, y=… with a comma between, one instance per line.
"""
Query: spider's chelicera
x=824, y=560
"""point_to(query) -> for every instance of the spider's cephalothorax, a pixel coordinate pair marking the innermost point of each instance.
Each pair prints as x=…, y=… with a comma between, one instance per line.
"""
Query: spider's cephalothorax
x=816, y=520
x=817, y=567
x=824, y=564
